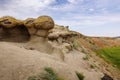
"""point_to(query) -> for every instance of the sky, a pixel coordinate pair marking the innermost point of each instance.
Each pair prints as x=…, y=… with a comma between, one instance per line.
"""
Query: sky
x=89, y=17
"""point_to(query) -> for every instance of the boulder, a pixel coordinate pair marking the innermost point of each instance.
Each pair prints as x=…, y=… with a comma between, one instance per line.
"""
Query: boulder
x=106, y=77
x=40, y=26
x=44, y=22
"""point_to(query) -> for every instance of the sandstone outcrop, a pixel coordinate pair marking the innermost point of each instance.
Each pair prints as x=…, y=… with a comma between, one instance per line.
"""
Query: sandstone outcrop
x=61, y=32
x=43, y=24
x=40, y=26
x=12, y=29
x=15, y=30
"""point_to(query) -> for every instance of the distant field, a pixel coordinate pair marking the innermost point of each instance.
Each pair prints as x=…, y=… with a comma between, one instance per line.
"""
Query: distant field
x=111, y=55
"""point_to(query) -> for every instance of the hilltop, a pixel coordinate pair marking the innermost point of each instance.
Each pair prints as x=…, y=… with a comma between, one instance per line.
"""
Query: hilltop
x=32, y=45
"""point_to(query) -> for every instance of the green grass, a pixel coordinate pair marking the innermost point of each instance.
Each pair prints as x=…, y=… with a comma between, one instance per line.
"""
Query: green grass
x=80, y=76
x=48, y=75
x=112, y=55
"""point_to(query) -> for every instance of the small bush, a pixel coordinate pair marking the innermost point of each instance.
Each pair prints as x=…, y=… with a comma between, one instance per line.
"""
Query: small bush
x=80, y=76
x=48, y=75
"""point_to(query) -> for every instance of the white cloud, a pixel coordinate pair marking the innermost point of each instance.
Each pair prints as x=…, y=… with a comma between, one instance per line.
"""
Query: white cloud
x=74, y=1
x=25, y=8
x=81, y=23
x=94, y=25
x=76, y=13
x=91, y=9
x=31, y=3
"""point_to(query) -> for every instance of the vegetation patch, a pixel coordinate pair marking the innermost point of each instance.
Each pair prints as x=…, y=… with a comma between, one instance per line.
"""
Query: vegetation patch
x=92, y=66
x=80, y=76
x=85, y=58
x=111, y=55
x=76, y=44
x=48, y=75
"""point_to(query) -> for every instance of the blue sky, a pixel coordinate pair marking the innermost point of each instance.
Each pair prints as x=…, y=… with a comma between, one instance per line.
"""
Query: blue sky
x=89, y=17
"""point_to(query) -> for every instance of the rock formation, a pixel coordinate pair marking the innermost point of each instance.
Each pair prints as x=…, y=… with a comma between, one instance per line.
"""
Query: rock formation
x=44, y=24
x=29, y=23
x=49, y=45
x=15, y=30
x=12, y=29
x=106, y=77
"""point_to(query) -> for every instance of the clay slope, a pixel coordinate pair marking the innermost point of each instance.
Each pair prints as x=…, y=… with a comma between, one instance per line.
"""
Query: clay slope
x=18, y=63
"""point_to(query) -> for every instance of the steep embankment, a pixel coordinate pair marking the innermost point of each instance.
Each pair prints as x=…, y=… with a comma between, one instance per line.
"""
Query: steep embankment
x=108, y=60
x=28, y=46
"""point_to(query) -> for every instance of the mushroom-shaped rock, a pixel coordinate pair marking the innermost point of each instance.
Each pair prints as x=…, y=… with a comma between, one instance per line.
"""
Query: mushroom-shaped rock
x=44, y=24
x=9, y=22
x=29, y=23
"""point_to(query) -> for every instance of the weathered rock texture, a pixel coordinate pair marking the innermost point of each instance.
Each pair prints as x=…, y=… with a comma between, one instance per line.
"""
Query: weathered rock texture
x=18, y=61
x=43, y=24
x=15, y=30
x=9, y=22
x=29, y=23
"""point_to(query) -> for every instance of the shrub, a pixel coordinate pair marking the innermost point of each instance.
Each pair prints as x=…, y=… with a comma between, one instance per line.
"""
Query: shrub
x=48, y=75
x=80, y=76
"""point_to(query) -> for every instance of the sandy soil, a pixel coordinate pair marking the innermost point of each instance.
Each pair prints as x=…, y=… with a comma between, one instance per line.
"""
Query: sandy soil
x=18, y=63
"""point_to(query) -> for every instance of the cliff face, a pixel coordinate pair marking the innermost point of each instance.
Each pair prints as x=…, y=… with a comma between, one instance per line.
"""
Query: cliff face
x=28, y=46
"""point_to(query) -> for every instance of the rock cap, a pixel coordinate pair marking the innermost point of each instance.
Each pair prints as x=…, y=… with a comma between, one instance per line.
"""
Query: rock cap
x=9, y=22
x=44, y=22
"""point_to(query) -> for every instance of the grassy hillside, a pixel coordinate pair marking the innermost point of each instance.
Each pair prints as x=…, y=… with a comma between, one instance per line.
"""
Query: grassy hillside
x=111, y=55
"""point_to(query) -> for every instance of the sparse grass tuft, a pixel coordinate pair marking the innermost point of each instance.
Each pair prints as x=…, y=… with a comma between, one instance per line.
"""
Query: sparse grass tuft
x=32, y=78
x=80, y=76
x=92, y=66
x=85, y=58
x=48, y=75
x=76, y=44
